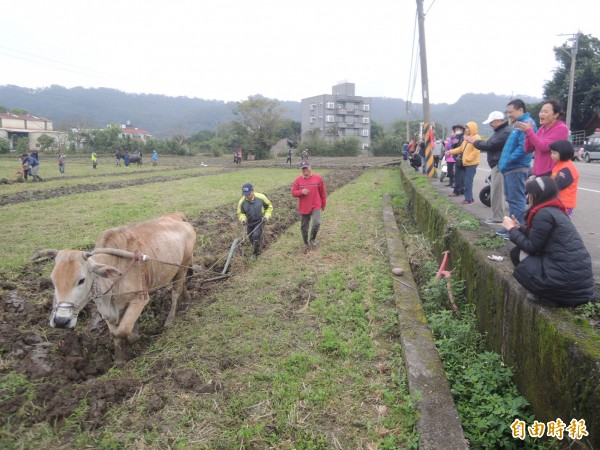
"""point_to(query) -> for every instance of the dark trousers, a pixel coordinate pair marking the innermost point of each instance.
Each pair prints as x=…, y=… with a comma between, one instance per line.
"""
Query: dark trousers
x=254, y=234
x=450, y=167
x=459, y=180
x=255, y=231
x=315, y=215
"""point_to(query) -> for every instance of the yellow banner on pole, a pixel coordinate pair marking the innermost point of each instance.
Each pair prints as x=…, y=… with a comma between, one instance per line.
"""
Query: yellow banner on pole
x=428, y=138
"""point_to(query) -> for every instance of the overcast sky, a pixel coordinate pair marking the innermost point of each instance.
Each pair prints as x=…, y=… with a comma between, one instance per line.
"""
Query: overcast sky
x=288, y=50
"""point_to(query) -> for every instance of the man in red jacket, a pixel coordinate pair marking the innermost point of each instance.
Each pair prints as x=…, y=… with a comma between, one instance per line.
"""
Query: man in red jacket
x=309, y=188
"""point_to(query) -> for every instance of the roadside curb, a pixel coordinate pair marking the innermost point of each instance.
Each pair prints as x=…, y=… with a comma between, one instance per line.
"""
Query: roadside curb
x=439, y=425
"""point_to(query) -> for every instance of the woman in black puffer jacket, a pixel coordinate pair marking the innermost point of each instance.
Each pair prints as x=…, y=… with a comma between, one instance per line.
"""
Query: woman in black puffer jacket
x=550, y=259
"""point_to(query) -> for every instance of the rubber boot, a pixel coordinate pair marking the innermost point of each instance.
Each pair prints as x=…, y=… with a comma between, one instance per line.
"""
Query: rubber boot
x=306, y=247
x=313, y=237
x=256, y=250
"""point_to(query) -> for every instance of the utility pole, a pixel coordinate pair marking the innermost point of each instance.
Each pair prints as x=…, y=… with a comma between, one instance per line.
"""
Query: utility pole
x=407, y=121
x=423, y=55
x=425, y=91
x=573, y=54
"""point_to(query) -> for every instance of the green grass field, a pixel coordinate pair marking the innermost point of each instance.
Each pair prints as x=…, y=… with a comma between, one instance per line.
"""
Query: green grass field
x=301, y=348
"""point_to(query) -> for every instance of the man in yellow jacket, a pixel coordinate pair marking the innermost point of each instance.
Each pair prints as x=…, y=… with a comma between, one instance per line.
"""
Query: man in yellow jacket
x=470, y=160
x=253, y=210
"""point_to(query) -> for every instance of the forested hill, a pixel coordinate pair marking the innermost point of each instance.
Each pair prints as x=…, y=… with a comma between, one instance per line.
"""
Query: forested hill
x=166, y=116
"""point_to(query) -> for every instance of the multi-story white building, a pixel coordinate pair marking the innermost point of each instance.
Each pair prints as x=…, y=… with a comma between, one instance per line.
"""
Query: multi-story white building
x=338, y=115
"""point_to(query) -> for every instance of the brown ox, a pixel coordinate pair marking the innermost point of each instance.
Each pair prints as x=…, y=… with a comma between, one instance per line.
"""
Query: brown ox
x=118, y=280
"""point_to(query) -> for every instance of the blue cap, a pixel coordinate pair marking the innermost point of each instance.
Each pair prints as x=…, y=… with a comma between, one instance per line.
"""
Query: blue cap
x=247, y=188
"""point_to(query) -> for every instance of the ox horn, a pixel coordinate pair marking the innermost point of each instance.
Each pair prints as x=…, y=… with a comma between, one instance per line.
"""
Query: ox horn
x=47, y=253
x=114, y=251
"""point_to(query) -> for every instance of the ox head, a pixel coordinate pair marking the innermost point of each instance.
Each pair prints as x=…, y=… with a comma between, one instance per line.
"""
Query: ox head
x=73, y=276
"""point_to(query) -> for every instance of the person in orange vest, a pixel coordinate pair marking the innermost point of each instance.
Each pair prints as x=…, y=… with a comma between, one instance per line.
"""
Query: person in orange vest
x=565, y=173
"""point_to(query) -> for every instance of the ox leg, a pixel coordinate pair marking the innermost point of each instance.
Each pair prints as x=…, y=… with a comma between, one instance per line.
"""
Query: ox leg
x=127, y=328
x=120, y=354
x=178, y=289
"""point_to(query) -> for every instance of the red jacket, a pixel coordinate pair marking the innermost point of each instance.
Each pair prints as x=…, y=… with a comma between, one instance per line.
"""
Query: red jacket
x=317, y=195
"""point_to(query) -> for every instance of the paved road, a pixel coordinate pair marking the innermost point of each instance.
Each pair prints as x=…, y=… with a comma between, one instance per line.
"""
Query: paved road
x=586, y=216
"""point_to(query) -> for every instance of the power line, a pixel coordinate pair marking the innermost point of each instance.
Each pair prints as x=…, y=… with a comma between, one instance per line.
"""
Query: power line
x=412, y=75
x=429, y=7
x=50, y=63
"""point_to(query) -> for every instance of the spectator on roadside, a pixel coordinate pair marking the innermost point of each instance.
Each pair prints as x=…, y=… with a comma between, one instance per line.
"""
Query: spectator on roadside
x=60, y=159
x=550, y=259
x=470, y=160
x=405, y=151
x=459, y=172
x=438, y=152
x=450, y=159
x=551, y=129
x=422, y=155
x=309, y=189
x=415, y=160
x=253, y=210
x=565, y=174
x=493, y=147
x=514, y=163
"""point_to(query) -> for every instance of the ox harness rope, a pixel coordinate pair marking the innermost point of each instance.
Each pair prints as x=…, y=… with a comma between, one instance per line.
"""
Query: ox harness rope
x=141, y=258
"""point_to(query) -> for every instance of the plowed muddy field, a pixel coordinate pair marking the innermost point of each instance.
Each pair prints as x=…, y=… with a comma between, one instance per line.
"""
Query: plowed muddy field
x=67, y=365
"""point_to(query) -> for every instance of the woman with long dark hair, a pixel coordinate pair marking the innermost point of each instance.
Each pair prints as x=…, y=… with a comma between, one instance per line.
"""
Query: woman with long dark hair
x=550, y=259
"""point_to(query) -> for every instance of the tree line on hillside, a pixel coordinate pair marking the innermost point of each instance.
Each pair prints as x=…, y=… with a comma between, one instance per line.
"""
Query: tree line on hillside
x=256, y=124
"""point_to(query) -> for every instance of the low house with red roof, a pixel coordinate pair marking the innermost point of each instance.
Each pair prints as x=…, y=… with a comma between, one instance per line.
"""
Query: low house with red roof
x=137, y=134
x=15, y=126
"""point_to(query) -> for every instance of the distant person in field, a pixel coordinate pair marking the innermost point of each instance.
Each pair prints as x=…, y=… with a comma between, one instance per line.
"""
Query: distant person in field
x=309, y=189
x=289, y=157
x=26, y=167
x=304, y=155
x=126, y=158
x=94, y=160
x=34, y=165
x=155, y=158
x=60, y=159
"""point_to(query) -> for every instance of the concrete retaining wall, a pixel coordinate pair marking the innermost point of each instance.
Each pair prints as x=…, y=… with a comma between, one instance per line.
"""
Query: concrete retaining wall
x=556, y=362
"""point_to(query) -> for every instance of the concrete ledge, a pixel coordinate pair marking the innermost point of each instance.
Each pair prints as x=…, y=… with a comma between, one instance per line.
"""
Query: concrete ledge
x=438, y=425
x=556, y=362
